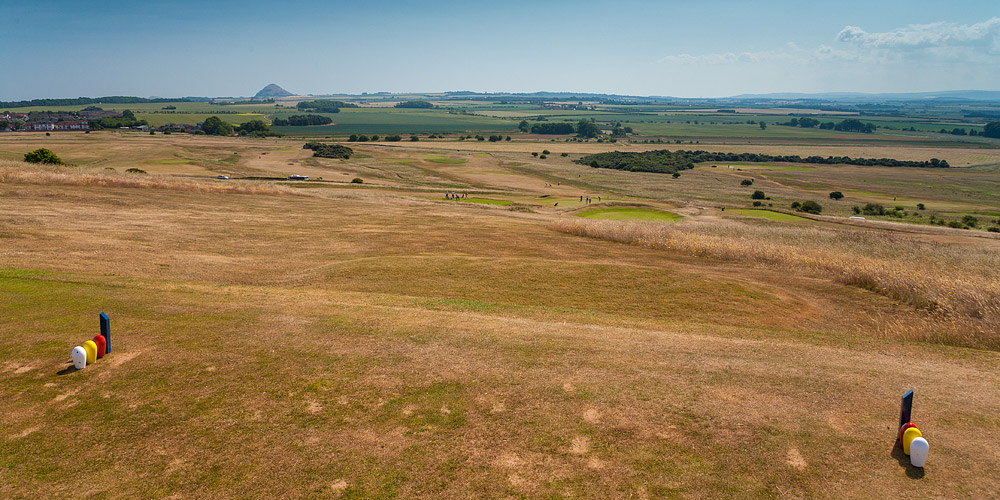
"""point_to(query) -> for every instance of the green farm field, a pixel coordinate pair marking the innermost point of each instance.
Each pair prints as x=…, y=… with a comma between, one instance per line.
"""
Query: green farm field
x=329, y=339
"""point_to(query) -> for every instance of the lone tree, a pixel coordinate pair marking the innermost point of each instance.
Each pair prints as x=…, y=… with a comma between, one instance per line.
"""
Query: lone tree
x=523, y=126
x=836, y=195
x=757, y=195
x=763, y=126
x=214, y=126
x=42, y=155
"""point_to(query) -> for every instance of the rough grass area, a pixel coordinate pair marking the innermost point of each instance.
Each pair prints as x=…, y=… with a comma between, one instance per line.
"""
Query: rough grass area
x=12, y=172
x=958, y=286
x=378, y=343
x=629, y=213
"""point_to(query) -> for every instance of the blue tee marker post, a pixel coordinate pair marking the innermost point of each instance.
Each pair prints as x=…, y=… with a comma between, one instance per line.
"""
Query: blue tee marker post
x=106, y=331
x=905, y=408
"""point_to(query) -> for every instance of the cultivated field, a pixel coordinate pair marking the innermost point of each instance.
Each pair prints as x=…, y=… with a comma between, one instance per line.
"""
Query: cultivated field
x=330, y=339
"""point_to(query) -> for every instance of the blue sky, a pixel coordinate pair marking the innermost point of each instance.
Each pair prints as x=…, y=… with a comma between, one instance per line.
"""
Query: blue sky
x=687, y=49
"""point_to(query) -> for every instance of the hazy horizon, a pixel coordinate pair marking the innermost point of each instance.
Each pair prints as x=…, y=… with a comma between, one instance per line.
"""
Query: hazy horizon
x=714, y=49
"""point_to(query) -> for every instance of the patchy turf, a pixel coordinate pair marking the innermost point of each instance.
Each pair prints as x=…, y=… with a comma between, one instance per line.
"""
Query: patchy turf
x=372, y=343
x=764, y=214
x=629, y=213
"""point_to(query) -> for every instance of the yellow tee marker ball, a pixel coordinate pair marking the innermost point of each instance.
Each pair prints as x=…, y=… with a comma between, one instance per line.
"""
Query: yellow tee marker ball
x=91, y=347
x=908, y=436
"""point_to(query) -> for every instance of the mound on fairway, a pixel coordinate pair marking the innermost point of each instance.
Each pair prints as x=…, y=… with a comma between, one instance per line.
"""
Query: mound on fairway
x=630, y=213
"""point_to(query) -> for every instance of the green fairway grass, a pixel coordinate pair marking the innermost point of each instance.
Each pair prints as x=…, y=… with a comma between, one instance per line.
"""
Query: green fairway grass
x=766, y=214
x=630, y=213
x=448, y=160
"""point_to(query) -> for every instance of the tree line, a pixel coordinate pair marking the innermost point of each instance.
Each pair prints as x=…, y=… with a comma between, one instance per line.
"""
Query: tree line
x=301, y=121
x=414, y=104
x=87, y=100
x=585, y=128
x=665, y=161
x=324, y=106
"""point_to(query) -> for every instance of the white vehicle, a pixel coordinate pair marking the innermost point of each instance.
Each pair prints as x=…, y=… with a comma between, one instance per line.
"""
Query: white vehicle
x=857, y=218
x=298, y=177
x=223, y=177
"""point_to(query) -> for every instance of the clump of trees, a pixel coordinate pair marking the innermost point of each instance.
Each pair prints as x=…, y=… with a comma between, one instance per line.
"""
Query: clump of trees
x=214, y=126
x=321, y=150
x=660, y=161
x=255, y=128
x=808, y=206
x=414, y=105
x=879, y=209
x=325, y=106
x=555, y=128
x=848, y=125
x=992, y=129
x=302, y=121
x=127, y=119
x=43, y=155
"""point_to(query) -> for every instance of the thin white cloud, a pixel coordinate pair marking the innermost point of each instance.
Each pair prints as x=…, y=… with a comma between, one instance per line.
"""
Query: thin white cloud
x=727, y=58
x=940, y=34
x=978, y=43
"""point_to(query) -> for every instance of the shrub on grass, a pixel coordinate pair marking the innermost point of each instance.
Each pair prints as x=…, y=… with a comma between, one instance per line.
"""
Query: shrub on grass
x=357, y=180
x=810, y=207
x=746, y=182
x=42, y=155
x=970, y=221
x=758, y=203
x=134, y=170
x=836, y=195
x=757, y=195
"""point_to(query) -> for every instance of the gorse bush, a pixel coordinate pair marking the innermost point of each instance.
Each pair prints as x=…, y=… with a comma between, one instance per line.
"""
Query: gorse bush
x=42, y=155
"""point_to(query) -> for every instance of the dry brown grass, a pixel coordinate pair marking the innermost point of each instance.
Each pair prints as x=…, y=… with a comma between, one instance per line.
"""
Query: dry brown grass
x=13, y=172
x=959, y=286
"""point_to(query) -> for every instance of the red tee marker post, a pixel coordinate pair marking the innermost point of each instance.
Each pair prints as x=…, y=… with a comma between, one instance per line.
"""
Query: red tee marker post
x=106, y=331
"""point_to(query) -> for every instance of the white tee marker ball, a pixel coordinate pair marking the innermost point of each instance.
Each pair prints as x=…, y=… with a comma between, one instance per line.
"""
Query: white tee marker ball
x=919, y=448
x=79, y=358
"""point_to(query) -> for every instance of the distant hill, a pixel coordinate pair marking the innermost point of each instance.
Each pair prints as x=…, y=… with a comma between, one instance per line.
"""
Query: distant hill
x=272, y=90
x=971, y=95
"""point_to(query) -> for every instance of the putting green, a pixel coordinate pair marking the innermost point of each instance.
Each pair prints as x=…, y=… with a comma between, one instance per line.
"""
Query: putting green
x=629, y=213
x=765, y=214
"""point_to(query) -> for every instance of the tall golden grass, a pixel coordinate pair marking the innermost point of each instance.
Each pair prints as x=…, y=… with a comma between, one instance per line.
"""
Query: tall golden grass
x=14, y=172
x=958, y=286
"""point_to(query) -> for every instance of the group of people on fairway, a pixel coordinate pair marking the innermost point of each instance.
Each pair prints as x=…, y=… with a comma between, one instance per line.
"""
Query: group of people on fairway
x=451, y=195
